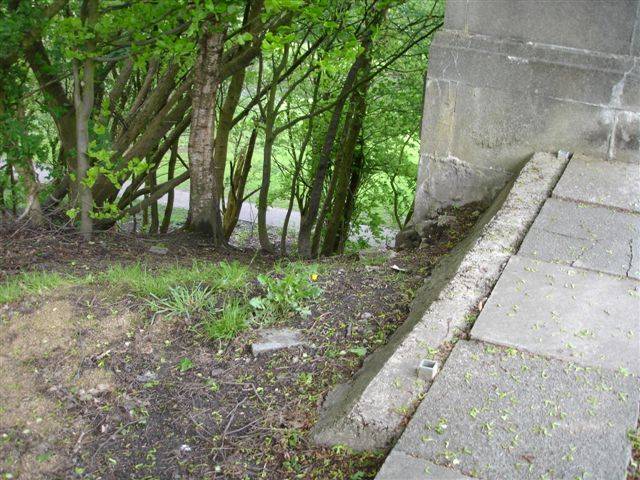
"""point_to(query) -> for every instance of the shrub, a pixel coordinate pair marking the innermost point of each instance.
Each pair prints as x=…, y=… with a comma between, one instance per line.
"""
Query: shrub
x=287, y=290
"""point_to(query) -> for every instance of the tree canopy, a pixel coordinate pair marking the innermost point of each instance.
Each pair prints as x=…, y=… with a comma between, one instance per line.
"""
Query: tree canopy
x=313, y=105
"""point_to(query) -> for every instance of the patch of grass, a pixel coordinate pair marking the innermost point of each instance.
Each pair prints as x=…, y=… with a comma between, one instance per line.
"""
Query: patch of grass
x=231, y=321
x=143, y=282
x=182, y=301
x=230, y=276
x=32, y=283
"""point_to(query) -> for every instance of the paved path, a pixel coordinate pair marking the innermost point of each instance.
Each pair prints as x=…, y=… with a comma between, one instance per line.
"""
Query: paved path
x=547, y=387
x=275, y=216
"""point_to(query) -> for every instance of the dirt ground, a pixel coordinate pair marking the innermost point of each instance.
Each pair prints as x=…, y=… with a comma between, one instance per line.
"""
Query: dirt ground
x=91, y=384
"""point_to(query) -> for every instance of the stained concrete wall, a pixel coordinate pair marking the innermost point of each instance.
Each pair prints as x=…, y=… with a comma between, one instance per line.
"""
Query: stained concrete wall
x=511, y=77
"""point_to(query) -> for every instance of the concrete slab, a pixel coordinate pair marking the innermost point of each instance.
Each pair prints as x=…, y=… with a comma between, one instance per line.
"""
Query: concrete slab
x=400, y=466
x=585, y=236
x=612, y=184
x=563, y=312
x=498, y=414
x=273, y=339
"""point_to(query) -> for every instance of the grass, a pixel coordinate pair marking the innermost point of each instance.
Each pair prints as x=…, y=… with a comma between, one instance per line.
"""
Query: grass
x=215, y=297
x=181, y=301
x=144, y=283
x=32, y=283
x=232, y=320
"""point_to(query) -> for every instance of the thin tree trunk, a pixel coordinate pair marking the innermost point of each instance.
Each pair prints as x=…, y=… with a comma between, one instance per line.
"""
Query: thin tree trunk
x=238, y=182
x=270, y=115
x=83, y=101
x=205, y=210
x=356, y=176
x=225, y=124
x=308, y=217
x=153, y=206
x=14, y=195
x=168, y=209
x=344, y=164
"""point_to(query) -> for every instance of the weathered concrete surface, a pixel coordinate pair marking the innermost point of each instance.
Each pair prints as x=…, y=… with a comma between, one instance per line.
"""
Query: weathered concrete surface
x=371, y=413
x=580, y=235
x=273, y=339
x=563, y=312
x=497, y=414
x=502, y=85
x=400, y=466
x=612, y=184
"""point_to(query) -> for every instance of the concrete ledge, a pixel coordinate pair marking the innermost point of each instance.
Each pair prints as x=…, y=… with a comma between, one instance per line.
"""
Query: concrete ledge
x=371, y=413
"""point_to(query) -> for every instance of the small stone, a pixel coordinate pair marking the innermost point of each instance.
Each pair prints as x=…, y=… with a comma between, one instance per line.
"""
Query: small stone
x=276, y=339
x=147, y=377
x=366, y=315
x=159, y=250
x=446, y=220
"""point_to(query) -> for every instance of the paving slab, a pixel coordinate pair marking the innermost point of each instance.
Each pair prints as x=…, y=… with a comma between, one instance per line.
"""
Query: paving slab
x=586, y=236
x=559, y=311
x=496, y=413
x=600, y=182
x=272, y=339
x=400, y=466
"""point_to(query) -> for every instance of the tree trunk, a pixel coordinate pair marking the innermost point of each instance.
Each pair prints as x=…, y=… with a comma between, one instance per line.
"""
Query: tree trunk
x=83, y=94
x=153, y=206
x=32, y=212
x=356, y=176
x=224, y=127
x=205, y=210
x=14, y=194
x=239, y=175
x=308, y=217
x=168, y=209
x=270, y=114
x=344, y=164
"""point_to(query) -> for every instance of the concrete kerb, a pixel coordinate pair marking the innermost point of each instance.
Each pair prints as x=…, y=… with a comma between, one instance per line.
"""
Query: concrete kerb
x=372, y=411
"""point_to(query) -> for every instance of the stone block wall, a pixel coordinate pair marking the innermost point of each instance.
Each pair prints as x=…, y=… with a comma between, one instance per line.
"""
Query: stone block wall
x=508, y=78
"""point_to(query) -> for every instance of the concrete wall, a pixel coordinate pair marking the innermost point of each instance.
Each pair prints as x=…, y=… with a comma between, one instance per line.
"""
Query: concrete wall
x=508, y=78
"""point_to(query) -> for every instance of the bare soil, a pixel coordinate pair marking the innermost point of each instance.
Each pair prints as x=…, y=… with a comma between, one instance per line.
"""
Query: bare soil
x=91, y=387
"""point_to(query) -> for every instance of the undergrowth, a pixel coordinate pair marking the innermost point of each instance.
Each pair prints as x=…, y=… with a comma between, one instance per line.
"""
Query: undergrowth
x=218, y=299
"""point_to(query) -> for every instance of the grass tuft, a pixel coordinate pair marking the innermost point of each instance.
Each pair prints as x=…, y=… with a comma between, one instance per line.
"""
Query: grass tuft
x=231, y=321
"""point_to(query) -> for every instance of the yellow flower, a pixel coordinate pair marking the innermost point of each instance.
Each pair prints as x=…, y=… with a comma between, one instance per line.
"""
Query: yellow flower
x=314, y=277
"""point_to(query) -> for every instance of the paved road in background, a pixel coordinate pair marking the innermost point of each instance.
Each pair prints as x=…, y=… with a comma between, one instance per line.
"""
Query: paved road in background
x=275, y=216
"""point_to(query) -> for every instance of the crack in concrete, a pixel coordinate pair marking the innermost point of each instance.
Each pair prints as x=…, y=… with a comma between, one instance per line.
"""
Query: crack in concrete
x=630, y=257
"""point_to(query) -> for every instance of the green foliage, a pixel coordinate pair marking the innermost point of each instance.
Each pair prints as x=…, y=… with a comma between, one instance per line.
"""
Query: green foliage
x=287, y=290
x=185, y=365
x=232, y=320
